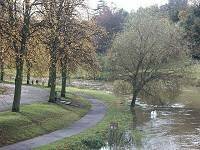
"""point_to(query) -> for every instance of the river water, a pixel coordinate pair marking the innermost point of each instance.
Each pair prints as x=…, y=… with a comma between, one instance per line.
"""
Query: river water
x=174, y=128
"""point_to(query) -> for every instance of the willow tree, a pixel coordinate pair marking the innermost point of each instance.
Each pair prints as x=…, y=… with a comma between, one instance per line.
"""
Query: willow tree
x=18, y=27
x=149, y=49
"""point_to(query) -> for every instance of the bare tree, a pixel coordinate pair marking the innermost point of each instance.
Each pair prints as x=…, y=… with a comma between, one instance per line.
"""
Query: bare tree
x=147, y=50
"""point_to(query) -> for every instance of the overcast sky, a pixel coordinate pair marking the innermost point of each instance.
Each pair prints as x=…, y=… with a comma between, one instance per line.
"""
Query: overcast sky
x=130, y=4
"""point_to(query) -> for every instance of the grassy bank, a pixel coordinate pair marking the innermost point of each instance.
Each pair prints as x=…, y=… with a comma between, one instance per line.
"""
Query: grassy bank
x=39, y=118
x=95, y=137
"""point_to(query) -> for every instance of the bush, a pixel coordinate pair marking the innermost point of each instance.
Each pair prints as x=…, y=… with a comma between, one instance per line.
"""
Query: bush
x=121, y=87
x=162, y=92
x=93, y=142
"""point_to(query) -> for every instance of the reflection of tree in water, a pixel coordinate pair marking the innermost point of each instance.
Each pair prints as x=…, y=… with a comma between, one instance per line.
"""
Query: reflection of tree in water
x=134, y=122
x=161, y=92
x=177, y=126
x=139, y=117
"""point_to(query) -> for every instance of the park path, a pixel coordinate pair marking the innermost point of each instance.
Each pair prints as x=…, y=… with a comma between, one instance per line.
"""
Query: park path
x=95, y=115
x=30, y=95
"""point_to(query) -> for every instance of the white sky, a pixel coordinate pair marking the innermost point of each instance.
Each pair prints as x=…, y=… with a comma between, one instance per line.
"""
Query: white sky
x=130, y=4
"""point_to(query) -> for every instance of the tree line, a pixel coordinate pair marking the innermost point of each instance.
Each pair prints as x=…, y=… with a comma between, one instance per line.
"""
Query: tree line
x=52, y=35
x=45, y=34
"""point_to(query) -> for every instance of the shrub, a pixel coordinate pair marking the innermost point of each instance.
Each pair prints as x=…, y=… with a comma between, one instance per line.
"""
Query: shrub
x=121, y=87
x=162, y=92
x=94, y=142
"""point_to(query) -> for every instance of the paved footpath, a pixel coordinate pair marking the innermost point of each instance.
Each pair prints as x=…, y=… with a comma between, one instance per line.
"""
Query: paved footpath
x=94, y=116
x=29, y=95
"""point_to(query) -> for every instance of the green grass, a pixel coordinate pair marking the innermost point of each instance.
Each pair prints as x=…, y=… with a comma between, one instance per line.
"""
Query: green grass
x=101, y=95
x=37, y=119
x=116, y=112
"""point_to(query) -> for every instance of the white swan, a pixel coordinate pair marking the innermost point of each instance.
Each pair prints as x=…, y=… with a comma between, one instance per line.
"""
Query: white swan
x=153, y=114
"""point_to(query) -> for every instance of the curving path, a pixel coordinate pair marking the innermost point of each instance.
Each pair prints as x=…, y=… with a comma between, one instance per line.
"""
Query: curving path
x=29, y=95
x=94, y=116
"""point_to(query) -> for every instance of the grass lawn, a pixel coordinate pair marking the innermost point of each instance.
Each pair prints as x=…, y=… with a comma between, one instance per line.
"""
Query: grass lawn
x=95, y=137
x=37, y=119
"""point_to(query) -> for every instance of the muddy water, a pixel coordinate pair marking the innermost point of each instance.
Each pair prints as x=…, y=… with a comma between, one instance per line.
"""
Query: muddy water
x=173, y=129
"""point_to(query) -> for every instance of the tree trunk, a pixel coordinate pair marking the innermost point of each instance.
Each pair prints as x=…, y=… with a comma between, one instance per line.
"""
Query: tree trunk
x=18, y=84
x=1, y=66
x=133, y=101
x=49, y=80
x=53, y=62
x=50, y=74
x=135, y=94
x=19, y=56
x=64, y=78
x=2, y=71
x=28, y=75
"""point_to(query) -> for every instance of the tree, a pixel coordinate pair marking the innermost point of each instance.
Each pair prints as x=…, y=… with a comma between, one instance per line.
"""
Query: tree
x=112, y=21
x=32, y=57
x=18, y=27
x=4, y=46
x=147, y=50
x=190, y=22
x=56, y=15
x=175, y=7
x=6, y=56
x=80, y=51
x=3, y=52
x=53, y=11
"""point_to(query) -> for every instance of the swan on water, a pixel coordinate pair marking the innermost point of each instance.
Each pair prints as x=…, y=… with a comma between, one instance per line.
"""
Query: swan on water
x=153, y=114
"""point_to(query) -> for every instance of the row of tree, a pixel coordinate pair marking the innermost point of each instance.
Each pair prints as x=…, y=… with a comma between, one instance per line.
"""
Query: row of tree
x=45, y=34
x=186, y=14
x=50, y=36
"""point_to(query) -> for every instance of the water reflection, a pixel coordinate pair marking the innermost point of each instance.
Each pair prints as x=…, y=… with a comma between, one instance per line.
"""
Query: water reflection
x=174, y=128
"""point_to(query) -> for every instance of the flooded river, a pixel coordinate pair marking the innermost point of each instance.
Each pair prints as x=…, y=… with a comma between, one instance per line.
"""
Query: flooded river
x=172, y=129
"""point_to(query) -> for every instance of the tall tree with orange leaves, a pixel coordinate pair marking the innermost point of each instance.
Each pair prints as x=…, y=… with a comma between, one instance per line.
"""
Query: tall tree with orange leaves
x=18, y=24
